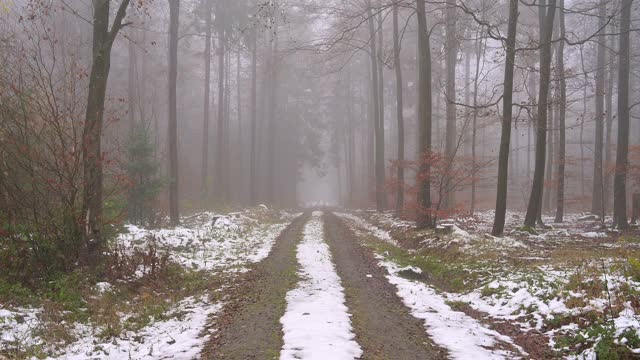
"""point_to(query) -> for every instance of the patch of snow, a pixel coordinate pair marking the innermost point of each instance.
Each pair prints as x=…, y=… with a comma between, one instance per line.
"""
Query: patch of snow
x=594, y=234
x=365, y=225
x=17, y=326
x=217, y=244
x=316, y=324
x=463, y=336
x=103, y=287
x=208, y=242
x=179, y=337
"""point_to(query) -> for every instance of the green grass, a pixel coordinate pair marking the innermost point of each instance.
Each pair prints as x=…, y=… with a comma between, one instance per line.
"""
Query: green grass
x=448, y=273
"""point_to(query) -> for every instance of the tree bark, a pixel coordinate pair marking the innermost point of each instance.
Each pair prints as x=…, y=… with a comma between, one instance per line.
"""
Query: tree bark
x=537, y=189
x=424, y=216
x=174, y=10
x=622, y=153
x=507, y=112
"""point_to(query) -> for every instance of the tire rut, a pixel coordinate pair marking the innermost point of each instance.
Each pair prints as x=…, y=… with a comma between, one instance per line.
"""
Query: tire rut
x=249, y=327
x=383, y=326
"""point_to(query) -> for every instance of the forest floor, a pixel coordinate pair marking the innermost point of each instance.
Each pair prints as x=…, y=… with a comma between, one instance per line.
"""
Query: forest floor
x=570, y=290
x=265, y=284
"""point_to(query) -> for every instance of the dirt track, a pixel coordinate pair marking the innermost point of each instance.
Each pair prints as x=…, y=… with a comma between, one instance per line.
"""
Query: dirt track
x=250, y=325
x=383, y=326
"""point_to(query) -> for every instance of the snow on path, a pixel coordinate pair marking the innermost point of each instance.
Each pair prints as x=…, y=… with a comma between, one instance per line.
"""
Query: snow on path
x=463, y=336
x=316, y=324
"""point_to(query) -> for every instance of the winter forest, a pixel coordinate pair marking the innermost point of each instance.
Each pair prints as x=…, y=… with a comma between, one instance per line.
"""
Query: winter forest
x=307, y=179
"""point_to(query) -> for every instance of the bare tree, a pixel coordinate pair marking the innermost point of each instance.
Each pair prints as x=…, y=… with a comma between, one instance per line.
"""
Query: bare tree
x=562, y=109
x=377, y=117
x=598, y=185
x=103, y=39
x=174, y=14
x=399, y=111
x=253, y=164
x=450, y=92
x=220, y=174
x=424, y=218
x=207, y=100
x=622, y=154
x=537, y=189
x=507, y=111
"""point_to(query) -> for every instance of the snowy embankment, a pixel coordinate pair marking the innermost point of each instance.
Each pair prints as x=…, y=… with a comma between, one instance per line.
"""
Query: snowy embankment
x=463, y=336
x=179, y=337
x=579, y=308
x=216, y=244
x=316, y=323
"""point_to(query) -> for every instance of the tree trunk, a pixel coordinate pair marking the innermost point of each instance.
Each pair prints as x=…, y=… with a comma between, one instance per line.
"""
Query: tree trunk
x=379, y=183
x=240, y=145
x=92, y=133
x=474, y=128
x=220, y=163
x=507, y=111
x=424, y=216
x=622, y=153
x=399, y=112
x=253, y=172
x=451, y=58
x=132, y=84
x=207, y=101
x=174, y=10
x=549, y=165
x=273, y=104
x=598, y=185
x=381, y=195
x=537, y=189
x=609, y=121
x=562, y=109
x=350, y=140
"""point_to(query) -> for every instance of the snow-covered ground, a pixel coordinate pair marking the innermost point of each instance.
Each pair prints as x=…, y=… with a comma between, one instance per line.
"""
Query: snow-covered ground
x=179, y=337
x=463, y=336
x=554, y=299
x=316, y=323
x=210, y=242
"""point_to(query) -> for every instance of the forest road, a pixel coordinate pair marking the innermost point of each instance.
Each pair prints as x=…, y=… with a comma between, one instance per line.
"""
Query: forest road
x=383, y=326
x=249, y=327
